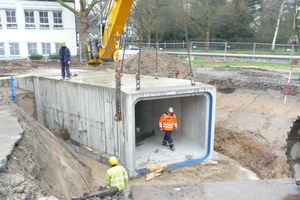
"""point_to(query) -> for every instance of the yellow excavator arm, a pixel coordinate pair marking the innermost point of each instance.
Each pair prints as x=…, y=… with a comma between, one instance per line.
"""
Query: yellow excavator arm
x=106, y=44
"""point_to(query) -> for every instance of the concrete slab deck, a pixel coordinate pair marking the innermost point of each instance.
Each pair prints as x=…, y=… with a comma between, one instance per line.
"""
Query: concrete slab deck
x=148, y=83
x=184, y=151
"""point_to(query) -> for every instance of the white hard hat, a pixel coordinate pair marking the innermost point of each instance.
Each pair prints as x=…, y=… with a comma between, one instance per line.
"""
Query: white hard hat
x=170, y=109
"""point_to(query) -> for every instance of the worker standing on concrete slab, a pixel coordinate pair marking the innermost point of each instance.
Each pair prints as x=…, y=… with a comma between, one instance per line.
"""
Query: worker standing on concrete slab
x=167, y=122
x=64, y=57
x=116, y=176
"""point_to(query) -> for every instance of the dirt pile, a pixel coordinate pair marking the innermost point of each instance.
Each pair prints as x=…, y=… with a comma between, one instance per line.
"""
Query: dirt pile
x=259, y=157
x=30, y=66
x=40, y=164
x=247, y=77
x=251, y=127
x=167, y=66
x=24, y=65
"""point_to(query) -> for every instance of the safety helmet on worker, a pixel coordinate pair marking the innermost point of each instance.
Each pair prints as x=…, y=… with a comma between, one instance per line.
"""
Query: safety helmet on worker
x=170, y=109
x=62, y=42
x=113, y=160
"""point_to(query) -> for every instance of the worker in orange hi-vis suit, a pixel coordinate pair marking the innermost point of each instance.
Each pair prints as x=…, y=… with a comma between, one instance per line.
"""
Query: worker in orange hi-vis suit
x=167, y=122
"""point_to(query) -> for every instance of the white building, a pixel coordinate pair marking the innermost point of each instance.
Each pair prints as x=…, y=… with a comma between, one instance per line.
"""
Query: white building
x=35, y=26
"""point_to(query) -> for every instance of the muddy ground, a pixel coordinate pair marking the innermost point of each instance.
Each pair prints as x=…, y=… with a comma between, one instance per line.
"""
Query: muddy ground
x=250, y=133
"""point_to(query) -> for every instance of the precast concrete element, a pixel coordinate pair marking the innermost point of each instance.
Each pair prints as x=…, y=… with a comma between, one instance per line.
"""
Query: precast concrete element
x=10, y=134
x=25, y=83
x=85, y=106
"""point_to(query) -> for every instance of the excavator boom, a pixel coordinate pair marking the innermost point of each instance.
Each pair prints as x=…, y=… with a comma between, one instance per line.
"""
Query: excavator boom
x=107, y=45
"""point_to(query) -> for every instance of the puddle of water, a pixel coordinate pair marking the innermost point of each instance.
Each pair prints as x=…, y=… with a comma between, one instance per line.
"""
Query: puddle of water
x=226, y=90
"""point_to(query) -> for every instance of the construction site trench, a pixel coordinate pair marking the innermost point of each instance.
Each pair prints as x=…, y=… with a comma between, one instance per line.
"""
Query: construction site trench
x=251, y=127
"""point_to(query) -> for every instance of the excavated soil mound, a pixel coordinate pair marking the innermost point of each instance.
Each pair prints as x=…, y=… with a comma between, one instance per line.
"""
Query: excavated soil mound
x=167, y=66
x=249, y=77
x=263, y=159
x=40, y=164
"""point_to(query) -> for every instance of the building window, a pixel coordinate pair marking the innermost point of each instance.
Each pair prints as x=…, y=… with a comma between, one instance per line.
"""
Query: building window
x=29, y=19
x=57, y=47
x=46, y=48
x=44, y=20
x=1, y=49
x=32, y=48
x=57, y=20
x=14, y=49
x=11, y=21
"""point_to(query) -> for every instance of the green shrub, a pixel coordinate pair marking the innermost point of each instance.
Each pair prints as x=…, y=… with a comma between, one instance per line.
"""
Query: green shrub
x=35, y=56
x=53, y=56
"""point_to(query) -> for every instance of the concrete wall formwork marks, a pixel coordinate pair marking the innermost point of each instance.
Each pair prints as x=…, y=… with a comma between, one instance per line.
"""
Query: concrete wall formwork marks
x=84, y=110
x=85, y=106
x=26, y=83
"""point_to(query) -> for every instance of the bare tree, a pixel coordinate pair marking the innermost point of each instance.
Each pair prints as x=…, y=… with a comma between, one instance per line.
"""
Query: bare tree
x=204, y=14
x=277, y=25
x=267, y=18
x=296, y=38
x=145, y=14
x=173, y=19
x=234, y=21
x=83, y=13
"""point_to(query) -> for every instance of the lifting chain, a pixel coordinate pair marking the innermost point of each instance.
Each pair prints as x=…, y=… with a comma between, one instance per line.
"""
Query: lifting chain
x=138, y=75
x=118, y=76
x=124, y=39
x=118, y=66
x=191, y=74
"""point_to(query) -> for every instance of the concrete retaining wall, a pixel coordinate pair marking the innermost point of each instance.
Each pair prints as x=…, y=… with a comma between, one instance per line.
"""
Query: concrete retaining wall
x=25, y=83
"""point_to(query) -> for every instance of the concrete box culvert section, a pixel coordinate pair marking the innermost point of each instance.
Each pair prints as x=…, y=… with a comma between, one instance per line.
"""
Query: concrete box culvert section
x=85, y=106
x=192, y=140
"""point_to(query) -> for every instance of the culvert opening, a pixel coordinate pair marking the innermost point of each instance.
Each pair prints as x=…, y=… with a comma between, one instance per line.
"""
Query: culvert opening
x=192, y=139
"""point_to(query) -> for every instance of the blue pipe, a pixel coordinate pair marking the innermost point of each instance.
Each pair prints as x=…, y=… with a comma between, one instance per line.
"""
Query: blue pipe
x=13, y=89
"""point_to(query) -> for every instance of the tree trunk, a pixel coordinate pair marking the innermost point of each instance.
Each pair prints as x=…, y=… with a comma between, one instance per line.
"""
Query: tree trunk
x=84, y=25
x=207, y=35
x=149, y=37
x=277, y=26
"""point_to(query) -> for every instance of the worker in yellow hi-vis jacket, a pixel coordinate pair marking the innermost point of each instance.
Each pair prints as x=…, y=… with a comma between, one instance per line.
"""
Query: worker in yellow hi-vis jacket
x=116, y=176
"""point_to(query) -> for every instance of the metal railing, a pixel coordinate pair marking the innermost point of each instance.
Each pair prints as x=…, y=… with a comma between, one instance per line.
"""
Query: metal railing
x=222, y=49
